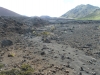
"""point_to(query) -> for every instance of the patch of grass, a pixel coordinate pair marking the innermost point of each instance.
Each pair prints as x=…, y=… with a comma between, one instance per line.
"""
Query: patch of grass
x=45, y=33
x=93, y=16
x=11, y=54
x=25, y=69
x=1, y=65
x=90, y=18
x=11, y=72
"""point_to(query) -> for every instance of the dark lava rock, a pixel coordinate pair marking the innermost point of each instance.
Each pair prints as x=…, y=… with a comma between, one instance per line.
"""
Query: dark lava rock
x=81, y=68
x=62, y=57
x=5, y=43
x=80, y=73
x=94, y=73
x=46, y=40
x=42, y=53
x=1, y=59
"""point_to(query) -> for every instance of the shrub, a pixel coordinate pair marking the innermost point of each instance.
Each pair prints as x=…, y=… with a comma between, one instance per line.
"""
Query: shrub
x=11, y=72
x=11, y=54
x=25, y=69
x=1, y=65
x=45, y=33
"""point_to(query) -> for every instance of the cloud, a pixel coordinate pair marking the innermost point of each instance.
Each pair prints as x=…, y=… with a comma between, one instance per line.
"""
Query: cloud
x=36, y=7
x=92, y=2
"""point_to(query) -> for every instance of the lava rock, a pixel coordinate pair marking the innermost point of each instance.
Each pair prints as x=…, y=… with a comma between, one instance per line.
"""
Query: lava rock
x=5, y=43
x=46, y=41
x=42, y=53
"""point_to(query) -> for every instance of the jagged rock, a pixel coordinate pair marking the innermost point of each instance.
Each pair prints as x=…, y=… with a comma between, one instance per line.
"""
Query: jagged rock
x=81, y=68
x=1, y=59
x=46, y=40
x=42, y=53
x=93, y=73
x=67, y=71
x=80, y=73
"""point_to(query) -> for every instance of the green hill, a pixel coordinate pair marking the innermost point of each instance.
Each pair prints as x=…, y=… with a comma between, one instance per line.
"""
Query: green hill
x=80, y=11
x=93, y=16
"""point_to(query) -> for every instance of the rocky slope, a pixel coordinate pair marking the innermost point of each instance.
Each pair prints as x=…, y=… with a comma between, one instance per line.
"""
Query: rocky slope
x=69, y=48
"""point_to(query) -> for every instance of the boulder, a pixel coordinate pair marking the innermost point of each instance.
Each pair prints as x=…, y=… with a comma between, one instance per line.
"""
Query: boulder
x=5, y=43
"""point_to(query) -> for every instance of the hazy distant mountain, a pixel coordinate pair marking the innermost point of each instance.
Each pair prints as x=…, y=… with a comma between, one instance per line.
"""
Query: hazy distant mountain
x=6, y=12
x=80, y=11
x=45, y=17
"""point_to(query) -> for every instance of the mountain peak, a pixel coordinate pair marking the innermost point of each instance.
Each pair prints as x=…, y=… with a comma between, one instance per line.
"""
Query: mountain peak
x=6, y=12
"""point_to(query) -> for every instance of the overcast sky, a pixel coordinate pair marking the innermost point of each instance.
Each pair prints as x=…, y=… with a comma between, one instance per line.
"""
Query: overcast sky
x=53, y=8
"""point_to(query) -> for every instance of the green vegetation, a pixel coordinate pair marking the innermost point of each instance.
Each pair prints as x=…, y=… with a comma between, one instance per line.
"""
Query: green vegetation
x=93, y=16
x=1, y=65
x=84, y=12
x=45, y=33
x=90, y=18
x=25, y=69
x=11, y=54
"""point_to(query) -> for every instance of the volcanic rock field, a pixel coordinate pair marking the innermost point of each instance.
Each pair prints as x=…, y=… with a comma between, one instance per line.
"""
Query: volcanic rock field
x=50, y=46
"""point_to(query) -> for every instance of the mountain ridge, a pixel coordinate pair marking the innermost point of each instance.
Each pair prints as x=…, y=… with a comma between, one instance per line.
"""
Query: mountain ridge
x=7, y=12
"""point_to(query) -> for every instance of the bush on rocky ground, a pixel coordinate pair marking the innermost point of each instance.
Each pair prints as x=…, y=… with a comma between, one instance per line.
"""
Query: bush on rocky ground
x=1, y=65
x=25, y=69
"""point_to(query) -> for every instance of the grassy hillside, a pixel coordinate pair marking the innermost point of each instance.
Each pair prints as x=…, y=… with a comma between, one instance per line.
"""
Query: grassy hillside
x=80, y=11
x=93, y=16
